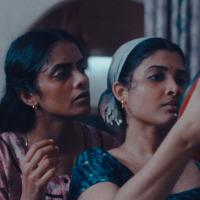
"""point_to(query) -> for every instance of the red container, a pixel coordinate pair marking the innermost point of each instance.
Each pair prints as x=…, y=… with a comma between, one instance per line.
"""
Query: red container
x=188, y=94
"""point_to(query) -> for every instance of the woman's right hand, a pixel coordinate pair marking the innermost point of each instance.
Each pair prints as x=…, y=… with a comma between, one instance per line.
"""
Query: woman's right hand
x=190, y=119
x=39, y=166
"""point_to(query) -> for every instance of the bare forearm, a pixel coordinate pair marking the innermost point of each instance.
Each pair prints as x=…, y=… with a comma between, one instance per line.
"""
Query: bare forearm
x=157, y=178
x=160, y=174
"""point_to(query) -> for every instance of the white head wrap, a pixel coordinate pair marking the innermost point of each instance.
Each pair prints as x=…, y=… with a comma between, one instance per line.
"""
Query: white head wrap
x=107, y=104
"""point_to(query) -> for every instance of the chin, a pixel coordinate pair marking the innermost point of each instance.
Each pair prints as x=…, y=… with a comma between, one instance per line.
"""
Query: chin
x=165, y=119
x=169, y=121
x=83, y=110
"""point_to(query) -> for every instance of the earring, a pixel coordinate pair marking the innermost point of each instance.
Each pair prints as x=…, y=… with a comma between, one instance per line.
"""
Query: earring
x=35, y=106
x=123, y=102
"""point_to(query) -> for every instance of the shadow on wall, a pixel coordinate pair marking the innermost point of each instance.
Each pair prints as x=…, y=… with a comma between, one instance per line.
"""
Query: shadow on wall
x=101, y=25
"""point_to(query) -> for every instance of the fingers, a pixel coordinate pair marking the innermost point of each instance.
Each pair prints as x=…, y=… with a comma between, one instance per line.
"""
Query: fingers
x=44, y=172
x=42, y=153
x=46, y=177
x=45, y=165
x=39, y=166
x=37, y=146
x=189, y=120
x=41, y=156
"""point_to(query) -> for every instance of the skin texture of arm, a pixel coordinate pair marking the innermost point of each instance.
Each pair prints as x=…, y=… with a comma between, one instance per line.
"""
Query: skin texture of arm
x=157, y=178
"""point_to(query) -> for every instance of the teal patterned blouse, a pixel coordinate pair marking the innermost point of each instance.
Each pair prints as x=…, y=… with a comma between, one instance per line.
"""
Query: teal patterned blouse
x=96, y=165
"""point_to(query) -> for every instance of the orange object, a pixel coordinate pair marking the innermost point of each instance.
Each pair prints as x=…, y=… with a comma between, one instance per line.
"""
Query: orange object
x=187, y=96
x=186, y=99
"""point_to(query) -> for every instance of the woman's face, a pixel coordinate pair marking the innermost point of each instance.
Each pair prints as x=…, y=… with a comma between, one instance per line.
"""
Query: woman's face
x=157, y=84
x=62, y=82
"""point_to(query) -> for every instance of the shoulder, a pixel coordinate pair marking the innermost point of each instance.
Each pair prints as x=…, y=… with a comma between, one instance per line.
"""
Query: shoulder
x=12, y=140
x=99, y=138
x=96, y=159
x=93, y=166
x=9, y=165
x=94, y=155
x=12, y=149
x=7, y=140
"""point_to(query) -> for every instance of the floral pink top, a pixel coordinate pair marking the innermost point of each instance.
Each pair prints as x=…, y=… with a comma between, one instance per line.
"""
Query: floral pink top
x=13, y=150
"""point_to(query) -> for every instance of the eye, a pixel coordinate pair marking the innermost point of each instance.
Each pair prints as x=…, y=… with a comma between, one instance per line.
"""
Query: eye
x=82, y=66
x=61, y=74
x=182, y=80
x=157, y=77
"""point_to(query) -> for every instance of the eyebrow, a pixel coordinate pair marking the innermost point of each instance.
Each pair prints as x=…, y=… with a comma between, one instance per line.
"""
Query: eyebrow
x=64, y=64
x=165, y=68
x=82, y=60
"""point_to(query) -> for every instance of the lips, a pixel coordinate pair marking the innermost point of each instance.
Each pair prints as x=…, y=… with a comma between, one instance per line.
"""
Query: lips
x=82, y=96
x=172, y=105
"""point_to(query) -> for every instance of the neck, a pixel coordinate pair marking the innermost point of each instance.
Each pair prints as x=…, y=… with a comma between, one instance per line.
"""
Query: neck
x=144, y=138
x=62, y=131
x=141, y=142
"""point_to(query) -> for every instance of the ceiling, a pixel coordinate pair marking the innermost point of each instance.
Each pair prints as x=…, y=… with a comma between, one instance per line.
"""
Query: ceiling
x=102, y=25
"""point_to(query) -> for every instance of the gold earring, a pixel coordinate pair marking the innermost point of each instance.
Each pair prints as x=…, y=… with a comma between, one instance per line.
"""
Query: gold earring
x=123, y=102
x=35, y=106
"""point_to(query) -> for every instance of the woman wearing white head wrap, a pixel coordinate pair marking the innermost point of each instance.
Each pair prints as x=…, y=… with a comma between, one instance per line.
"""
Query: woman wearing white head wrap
x=146, y=80
x=108, y=106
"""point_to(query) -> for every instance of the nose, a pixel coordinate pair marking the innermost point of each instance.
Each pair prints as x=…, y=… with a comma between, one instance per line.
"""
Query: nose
x=173, y=89
x=80, y=80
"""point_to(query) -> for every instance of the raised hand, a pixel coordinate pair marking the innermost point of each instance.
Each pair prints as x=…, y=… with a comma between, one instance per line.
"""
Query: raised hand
x=190, y=118
x=39, y=166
